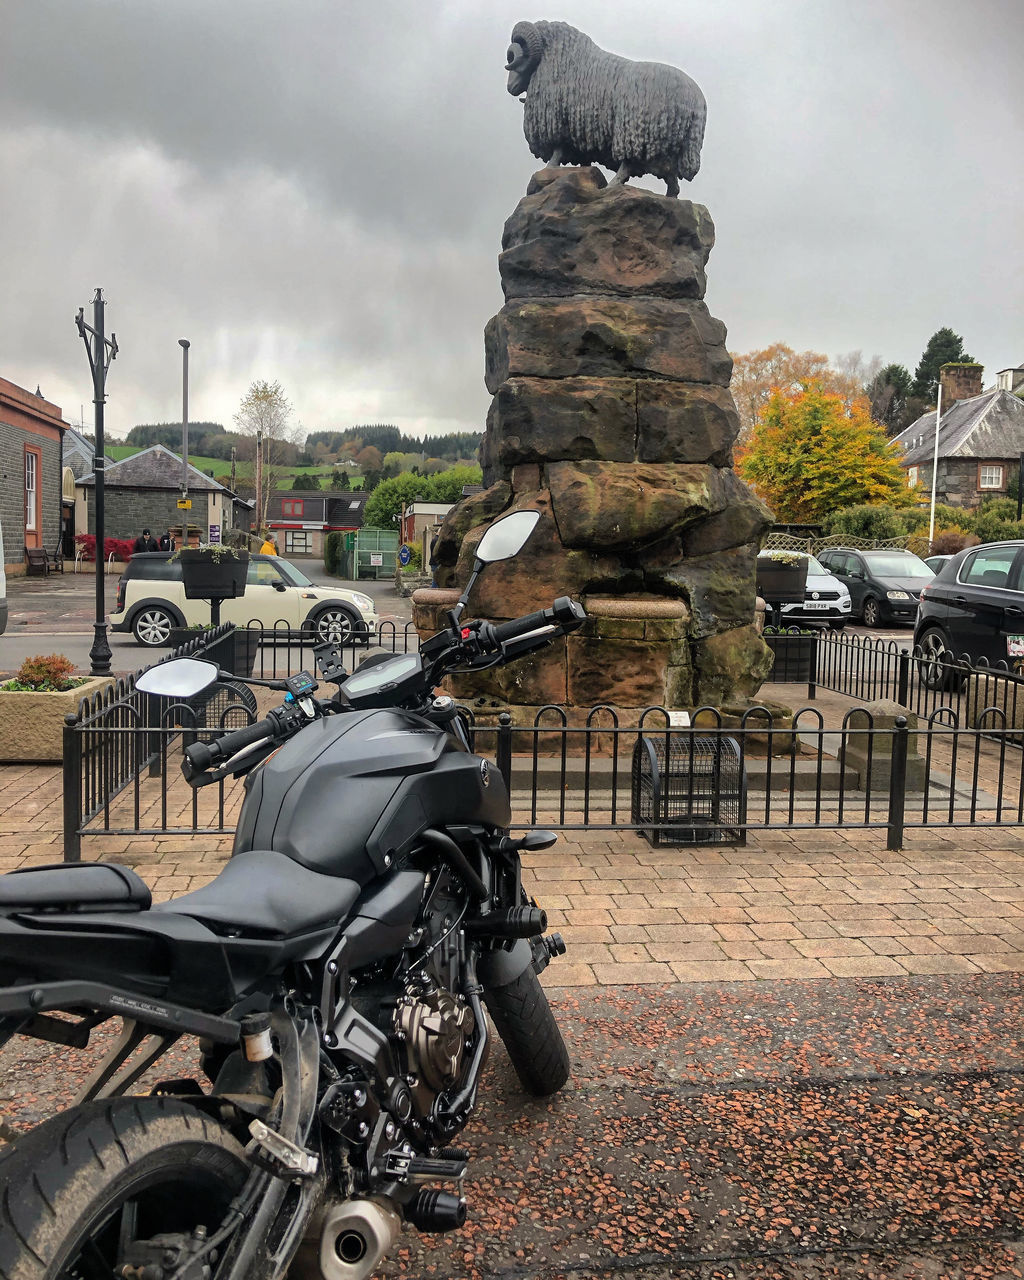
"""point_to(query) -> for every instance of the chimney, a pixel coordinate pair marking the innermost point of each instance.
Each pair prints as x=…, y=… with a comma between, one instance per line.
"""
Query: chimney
x=959, y=382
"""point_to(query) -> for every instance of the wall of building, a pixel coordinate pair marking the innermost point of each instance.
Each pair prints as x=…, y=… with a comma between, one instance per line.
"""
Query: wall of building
x=28, y=419
x=126, y=512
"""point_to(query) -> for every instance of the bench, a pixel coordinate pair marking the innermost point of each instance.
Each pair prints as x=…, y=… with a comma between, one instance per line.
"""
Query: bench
x=39, y=560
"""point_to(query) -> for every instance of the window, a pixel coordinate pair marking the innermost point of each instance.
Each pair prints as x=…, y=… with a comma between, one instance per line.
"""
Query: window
x=291, y=507
x=990, y=567
x=33, y=459
x=262, y=573
x=298, y=542
x=991, y=475
x=912, y=475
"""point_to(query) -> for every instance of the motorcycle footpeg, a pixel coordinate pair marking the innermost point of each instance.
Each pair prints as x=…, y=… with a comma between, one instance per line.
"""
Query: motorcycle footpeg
x=434, y=1210
x=291, y=1160
x=517, y=922
x=447, y=1167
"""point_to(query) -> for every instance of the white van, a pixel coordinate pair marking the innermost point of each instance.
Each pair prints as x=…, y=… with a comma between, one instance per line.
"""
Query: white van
x=3, y=586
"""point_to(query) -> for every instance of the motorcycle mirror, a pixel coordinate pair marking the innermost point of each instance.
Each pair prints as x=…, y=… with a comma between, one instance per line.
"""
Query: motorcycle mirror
x=506, y=537
x=179, y=678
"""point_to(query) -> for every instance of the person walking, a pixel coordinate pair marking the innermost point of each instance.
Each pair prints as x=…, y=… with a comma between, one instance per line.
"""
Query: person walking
x=269, y=547
x=166, y=541
x=145, y=543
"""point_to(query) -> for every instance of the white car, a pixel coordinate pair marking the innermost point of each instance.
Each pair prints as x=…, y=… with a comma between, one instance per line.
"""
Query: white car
x=826, y=600
x=151, y=602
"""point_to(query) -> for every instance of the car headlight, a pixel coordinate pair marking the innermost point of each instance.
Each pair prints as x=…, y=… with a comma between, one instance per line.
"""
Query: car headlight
x=898, y=595
x=364, y=602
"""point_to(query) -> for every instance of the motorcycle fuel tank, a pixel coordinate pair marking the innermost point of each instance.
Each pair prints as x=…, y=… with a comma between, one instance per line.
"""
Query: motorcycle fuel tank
x=352, y=792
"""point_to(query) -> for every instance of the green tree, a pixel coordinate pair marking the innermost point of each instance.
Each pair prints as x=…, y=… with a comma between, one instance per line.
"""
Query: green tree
x=809, y=455
x=340, y=481
x=944, y=347
x=888, y=393
x=390, y=496
x=306, y=480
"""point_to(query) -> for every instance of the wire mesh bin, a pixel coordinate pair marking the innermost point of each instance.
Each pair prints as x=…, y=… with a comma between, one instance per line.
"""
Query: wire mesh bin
x=691, y=789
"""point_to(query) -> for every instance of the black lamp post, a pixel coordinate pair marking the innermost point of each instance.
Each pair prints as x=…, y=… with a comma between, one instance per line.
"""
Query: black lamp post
x=101, y=351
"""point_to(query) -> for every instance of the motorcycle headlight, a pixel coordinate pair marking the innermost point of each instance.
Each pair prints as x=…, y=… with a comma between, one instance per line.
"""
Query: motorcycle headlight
x=898, y=595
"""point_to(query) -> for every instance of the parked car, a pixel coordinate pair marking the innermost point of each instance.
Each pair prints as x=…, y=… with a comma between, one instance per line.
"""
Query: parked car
x=151, y=600
x=974, y=607
x=935, y=563
x=884, y=586
x=826, y=600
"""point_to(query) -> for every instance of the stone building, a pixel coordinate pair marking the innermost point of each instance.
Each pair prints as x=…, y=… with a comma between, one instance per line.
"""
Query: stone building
x=981, y=438
x=141, y=492
x=31, y=446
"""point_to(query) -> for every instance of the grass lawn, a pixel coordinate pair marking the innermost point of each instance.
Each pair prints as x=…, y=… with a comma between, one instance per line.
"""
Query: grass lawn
x=243, y=467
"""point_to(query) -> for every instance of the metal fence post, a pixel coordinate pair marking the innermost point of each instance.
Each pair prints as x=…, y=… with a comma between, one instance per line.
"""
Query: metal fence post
x=503, y=749
x=72, y=790
x=903, y=679
x=812, y=682
x=898, y=783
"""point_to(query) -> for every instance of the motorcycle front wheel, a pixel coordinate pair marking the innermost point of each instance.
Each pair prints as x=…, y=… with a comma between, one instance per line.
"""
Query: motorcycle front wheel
x=76, y=1191
x=523, y=1018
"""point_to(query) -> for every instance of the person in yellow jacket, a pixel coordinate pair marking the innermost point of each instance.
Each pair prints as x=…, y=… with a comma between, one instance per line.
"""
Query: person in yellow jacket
x=269, y=547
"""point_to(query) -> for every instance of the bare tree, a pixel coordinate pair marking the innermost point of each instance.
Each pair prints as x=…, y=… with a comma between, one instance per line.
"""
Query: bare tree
x=265, y=415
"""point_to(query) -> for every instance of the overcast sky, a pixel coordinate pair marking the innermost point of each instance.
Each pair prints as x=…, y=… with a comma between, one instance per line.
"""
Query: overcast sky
x=314, y=191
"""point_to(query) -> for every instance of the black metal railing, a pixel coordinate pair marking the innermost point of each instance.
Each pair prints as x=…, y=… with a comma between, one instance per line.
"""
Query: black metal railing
x=121, y=762
x=940, y=757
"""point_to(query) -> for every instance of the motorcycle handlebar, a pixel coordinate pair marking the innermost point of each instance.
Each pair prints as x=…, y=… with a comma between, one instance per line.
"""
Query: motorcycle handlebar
x=202, y=755
x=564, y=612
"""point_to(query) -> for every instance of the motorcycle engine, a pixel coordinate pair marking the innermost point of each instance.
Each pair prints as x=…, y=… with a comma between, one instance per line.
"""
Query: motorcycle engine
x=435, y=1030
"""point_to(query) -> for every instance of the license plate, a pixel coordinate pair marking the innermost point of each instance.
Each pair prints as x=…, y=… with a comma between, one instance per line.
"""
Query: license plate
x=816, y=604
x=1015, y=646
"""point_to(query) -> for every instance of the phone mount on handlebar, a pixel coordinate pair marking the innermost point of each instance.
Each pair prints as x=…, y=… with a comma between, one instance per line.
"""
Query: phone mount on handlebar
x=330, y=662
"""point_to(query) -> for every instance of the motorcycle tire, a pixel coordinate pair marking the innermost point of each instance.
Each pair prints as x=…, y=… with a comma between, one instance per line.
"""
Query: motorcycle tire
x=523, y=1018
x=76, y=1186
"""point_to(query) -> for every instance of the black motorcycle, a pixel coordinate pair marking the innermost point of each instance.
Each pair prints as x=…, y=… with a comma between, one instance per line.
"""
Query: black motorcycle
x=335, y=974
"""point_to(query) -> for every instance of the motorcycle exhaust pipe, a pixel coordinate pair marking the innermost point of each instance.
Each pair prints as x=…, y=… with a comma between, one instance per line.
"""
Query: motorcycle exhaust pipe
x=517, y=922
x=355, y=1236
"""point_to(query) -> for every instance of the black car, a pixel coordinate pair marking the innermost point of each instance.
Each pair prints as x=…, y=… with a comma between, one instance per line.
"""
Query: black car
x=884, y=586
x=974, y=607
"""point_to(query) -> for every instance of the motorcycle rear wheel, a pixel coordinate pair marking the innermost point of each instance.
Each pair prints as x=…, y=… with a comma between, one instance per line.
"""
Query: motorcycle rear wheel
x=523, y=1018
x=77, y=1187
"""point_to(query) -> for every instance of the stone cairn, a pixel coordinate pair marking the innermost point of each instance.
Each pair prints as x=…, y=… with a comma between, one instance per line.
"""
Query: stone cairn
x=612, y=416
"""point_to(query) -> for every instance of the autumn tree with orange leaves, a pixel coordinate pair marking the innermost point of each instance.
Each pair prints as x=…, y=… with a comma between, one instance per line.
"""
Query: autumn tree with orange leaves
x=756, y=374
x=810, y=454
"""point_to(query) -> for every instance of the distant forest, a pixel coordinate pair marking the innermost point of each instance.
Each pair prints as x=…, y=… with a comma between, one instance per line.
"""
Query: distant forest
x=211, y=440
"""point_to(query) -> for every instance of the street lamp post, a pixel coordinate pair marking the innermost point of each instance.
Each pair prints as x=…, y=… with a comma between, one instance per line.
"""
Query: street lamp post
x=184, y=344
x=101, y=351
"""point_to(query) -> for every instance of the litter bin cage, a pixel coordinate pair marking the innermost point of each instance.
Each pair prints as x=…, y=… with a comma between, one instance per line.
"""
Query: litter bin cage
x=690, y=788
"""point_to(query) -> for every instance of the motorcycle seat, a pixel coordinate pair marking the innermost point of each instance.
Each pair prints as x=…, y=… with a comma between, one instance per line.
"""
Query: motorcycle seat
x=265, y=892
x=73, y=886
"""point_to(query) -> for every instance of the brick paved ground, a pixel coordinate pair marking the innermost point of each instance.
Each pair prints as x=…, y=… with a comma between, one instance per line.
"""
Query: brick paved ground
x=790, y=904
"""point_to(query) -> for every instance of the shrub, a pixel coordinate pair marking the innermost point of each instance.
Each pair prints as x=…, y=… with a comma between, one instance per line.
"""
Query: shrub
x=121, y=548
x=45, y=673
x=867, y=520
x=334, y=547
x=415, y=560
x=947, y=542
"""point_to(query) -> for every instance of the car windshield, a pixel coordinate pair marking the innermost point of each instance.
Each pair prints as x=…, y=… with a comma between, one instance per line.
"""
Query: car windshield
x=815, y=569
x=898, y=564
x=295, y=576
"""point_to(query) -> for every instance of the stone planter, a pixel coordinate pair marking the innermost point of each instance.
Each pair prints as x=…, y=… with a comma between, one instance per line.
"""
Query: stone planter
x=795, y=655
x=32, y=724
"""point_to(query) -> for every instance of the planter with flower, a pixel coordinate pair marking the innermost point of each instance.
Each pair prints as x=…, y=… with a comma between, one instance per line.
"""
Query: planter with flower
x=213, y=571
x=33, y=704
x=782, y=577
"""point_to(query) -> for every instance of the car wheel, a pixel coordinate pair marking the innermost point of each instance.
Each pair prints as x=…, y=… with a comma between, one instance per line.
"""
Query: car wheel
x=936, y=659
x=152, y=626
x=338, y=625
x=872, y=612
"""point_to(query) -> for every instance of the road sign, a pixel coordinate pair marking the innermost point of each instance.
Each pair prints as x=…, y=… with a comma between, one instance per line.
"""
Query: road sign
x=184, y=504
x=404, y=554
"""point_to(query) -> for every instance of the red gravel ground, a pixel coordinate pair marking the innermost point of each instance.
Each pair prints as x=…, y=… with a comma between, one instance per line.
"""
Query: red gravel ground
x=860, y=1129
